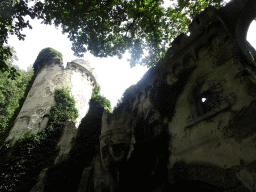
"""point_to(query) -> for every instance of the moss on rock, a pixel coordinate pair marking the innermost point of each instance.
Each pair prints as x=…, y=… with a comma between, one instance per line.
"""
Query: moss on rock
x=44, y=57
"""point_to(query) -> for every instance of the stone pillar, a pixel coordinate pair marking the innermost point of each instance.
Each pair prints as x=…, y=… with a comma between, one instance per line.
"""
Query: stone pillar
x=115, y=139
x=78, y=77
x=34, y=113
x=83, y=80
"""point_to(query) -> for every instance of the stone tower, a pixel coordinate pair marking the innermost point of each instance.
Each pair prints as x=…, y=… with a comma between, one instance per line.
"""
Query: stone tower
x=78, y=77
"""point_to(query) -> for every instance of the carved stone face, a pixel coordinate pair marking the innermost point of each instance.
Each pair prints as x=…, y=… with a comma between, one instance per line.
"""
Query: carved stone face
x=114, y=147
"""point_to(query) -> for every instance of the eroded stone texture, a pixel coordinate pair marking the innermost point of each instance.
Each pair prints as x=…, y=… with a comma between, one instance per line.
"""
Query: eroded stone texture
x=66, y=141
x=83, y=80
x=64, y=146
x=39, y=187
x=183, y=123
x=38, y=102
x=78, y=77
x=115, y=138
x=210, y=132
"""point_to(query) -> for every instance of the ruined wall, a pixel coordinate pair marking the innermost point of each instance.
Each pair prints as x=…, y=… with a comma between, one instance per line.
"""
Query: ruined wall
x=188, y=123
x=78, y=77
x=212, y=139
x=216, y=131
x=34, y=113
x=81, y=79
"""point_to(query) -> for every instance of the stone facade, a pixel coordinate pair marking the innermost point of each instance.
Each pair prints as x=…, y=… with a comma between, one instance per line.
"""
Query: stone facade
x=78, y=77
x=188, y=124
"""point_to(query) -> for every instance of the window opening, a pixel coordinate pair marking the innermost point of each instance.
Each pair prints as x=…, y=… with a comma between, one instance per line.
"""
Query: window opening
x=203, y=99
x=207, y=103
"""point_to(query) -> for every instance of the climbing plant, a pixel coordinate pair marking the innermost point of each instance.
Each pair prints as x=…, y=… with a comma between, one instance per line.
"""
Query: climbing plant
x=125, y=95
x=97, y=101
x=44, y=57
x=22, y=161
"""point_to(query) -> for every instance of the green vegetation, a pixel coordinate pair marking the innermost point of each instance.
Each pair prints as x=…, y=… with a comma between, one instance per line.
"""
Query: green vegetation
x=108, y=28
x=97, y=101
x=9, y=11
x=125, y=95
x=14, y=86
x=44, y=57
x=21, y=163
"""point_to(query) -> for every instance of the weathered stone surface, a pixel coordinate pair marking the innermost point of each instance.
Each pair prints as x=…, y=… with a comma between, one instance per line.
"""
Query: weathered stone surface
x=164, y=135
x=86, y=180
x=78, y=77
x=83, y=81
x=115, y=138
x=39, y=187
x=66, y=141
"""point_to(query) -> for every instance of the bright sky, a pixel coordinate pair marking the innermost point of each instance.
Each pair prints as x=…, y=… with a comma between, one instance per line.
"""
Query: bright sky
x=114, y=75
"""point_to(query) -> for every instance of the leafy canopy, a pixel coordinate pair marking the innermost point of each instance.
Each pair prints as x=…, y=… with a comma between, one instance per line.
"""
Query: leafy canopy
x=109, y=27
x=12, y=14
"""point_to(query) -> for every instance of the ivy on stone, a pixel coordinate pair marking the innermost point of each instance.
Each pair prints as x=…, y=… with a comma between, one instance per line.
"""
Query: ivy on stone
x=45, y=55
x=97, y=101
x=22, y=161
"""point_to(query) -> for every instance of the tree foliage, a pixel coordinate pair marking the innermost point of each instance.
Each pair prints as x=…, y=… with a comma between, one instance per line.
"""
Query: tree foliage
x=109, y=27
x=14, y=86
x=12, y=14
